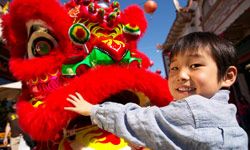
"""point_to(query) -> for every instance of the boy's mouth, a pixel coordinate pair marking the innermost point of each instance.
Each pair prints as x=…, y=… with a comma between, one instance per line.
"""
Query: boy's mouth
x=185, y=89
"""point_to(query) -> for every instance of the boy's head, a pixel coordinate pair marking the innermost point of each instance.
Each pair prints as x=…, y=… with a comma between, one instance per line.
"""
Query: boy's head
x=201, y=63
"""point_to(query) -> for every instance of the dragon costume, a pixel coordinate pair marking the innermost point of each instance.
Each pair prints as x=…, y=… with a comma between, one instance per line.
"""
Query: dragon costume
x=88, y=46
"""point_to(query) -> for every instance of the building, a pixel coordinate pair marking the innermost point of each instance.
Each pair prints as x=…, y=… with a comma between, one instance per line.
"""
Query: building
x=229, y=19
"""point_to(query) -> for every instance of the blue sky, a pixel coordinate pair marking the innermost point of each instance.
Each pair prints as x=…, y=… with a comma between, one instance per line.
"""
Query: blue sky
x=159, y=25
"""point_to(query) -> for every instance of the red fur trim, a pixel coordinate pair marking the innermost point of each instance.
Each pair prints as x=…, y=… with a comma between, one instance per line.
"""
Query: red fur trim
x=45, y=122
x=28, y=69
x=134, y=15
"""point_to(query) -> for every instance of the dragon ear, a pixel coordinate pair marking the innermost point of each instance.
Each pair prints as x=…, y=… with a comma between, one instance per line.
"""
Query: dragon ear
x=135, y=16
x=22, y=12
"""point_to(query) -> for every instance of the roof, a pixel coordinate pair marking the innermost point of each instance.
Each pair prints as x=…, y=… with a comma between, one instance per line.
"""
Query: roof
x=182, y=18
x=218, y=17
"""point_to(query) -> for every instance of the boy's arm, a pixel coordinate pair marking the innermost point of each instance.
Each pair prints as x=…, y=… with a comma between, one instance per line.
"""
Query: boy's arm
x=153, y=127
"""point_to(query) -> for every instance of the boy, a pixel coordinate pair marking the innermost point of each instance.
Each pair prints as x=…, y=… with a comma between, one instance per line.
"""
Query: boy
x=202, y=68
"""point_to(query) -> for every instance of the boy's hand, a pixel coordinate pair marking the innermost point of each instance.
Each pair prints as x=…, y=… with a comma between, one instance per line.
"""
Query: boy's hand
x=81, y=106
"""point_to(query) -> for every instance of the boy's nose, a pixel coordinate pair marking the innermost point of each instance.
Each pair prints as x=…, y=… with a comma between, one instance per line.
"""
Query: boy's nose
x=183, y=75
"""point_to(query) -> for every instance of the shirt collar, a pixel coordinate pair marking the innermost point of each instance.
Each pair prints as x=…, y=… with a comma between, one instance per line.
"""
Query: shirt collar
x=221, y=95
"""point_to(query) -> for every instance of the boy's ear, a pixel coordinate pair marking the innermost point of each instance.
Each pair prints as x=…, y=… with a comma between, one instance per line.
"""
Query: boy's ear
x=229, y=77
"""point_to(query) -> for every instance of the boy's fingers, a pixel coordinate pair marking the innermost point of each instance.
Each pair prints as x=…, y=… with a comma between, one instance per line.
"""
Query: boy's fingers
x=72, y=101
x=73, y=97
x=70, y=108
x=79, y=96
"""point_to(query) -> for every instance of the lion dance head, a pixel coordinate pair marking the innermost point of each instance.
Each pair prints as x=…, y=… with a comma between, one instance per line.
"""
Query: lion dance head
x=88, y=46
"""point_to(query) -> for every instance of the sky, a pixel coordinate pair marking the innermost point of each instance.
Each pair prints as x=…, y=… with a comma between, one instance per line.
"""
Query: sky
x=159, y=24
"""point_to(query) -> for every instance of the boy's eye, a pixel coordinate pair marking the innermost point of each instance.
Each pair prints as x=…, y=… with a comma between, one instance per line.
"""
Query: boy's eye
x=193, y=66
x=174, y=68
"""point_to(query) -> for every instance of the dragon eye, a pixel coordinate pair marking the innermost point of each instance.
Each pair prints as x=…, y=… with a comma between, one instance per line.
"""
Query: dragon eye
x=41, y=42
x=41, y=46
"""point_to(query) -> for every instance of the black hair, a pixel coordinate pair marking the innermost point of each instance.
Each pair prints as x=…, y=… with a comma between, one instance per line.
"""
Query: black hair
x=222, y=51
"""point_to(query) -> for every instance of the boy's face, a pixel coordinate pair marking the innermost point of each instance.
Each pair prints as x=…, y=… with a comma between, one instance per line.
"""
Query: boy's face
x=193, y=73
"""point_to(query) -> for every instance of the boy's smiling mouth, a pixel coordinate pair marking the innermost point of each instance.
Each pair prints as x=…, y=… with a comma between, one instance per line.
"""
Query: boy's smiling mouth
x=185, y=89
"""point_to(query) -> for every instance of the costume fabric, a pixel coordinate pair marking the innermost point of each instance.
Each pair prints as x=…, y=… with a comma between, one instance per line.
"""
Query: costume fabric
x=195, y=122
